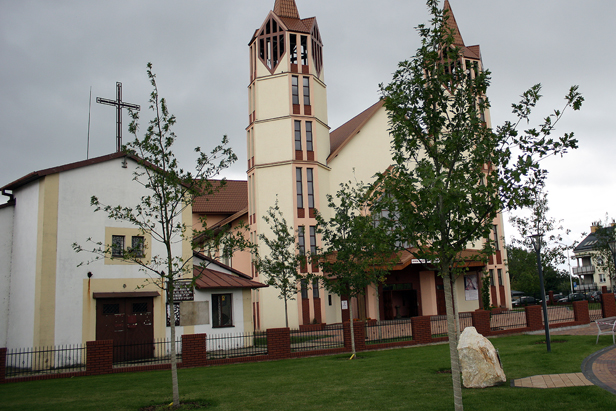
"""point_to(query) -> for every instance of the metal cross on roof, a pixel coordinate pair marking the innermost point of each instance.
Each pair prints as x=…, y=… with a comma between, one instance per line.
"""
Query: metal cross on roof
x=119, y=104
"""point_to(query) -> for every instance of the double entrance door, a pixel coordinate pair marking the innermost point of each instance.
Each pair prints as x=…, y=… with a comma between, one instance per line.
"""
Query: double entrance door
x=129, y=323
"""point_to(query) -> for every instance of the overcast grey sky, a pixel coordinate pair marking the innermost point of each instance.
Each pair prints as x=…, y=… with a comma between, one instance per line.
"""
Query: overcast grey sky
x=52, y=52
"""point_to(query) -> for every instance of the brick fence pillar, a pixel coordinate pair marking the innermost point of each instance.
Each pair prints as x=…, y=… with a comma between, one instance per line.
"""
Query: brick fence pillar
x=278, y=343
x=2, y=365
x=481, y=321
x=99, y=357
x=194, y=350
x=359, y=329
x=580, y=312
x=608, y=305
x=551, y=299
x=422, y=329
x=534, y=319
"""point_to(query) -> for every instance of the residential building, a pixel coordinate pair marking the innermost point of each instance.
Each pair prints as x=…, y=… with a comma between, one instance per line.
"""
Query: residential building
x=591, y=269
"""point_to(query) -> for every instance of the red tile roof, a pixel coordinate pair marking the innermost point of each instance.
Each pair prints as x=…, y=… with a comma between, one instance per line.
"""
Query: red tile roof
x=286, y=8
x=208, y=278
x=231, y=198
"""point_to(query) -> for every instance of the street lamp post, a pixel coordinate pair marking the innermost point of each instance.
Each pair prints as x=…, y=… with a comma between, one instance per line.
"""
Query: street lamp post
x=536, y=239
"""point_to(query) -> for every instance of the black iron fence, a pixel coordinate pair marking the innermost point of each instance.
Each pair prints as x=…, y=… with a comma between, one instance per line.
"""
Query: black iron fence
x=507, y=320
x=156, y=352
x=378, y=332
x=438, y=323
x=594, y=311
x=236, y=345
x=560, y=314
x=331, y=336
x=24, y=362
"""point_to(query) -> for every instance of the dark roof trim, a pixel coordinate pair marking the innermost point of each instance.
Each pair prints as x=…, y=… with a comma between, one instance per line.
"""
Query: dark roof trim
x=210, y=260
x=128, y=294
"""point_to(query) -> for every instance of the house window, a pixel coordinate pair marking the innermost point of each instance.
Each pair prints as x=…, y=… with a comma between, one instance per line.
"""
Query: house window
x=309, y=136
x=117, y=246
x=601, y=278
x=300, y=194
x=295, y=89
x=306, y=81
x=329, y=299
x=309, y=180
x=222, y=312
x=138, y=246
x=298, y=135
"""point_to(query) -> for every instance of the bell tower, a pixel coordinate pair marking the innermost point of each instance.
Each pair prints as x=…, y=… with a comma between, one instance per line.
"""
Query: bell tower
x=288, y=144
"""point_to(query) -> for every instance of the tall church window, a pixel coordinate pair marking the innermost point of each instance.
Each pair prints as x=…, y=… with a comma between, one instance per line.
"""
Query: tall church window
x=309, y=181
x=309, y=146
x=298, y=135
x=293, y=48
x=295, y=89
x=306, y=81
x=298, y=182
x=301, y=239
x=271, y=44
x=304, y=44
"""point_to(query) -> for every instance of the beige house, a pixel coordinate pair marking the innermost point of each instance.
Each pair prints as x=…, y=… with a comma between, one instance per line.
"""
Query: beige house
x=591, y=272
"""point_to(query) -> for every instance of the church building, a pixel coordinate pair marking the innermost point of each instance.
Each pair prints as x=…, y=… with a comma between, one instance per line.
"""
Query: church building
x=294, y=158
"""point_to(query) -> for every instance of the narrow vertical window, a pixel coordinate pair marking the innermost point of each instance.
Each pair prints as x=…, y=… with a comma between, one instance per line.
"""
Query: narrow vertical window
x=491, y=277
x=309, y=136
x=500, y=276
x=315, y=288
x=309, y=181
x=298, y=182
x=496, y=246
x=304, y=41
x=222, y=310
x=306, y=91
x=301, y=240
x=313, y=239
x=293, y=48
x=304, y=284
x=295, y=89
x=298, y=135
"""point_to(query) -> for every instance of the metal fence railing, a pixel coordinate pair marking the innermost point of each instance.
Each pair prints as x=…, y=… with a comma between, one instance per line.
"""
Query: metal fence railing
x=439, y=323
x=594, y=310
x=560, y=314
x=151, y=353
x=332, y=336
x=507, y=320
x=234, y=345
x=389, y=331
x=24, y=362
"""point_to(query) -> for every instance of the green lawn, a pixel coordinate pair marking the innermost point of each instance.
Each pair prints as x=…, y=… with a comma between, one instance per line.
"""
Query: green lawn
x=399, y=379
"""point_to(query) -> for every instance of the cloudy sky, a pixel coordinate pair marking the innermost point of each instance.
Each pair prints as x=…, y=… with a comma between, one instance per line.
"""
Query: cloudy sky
x=53, y=52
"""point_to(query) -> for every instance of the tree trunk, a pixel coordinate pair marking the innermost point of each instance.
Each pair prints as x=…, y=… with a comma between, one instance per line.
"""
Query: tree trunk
x=378, y=312
x=352, y=330
x=286, y=315
x=453, y=341
x=174, y=361
x=455, y=308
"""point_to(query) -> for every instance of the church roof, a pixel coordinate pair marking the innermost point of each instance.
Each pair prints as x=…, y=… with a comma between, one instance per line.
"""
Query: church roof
x=345, y=133
x=230, y=199
x=470, y=51
x=286, y=8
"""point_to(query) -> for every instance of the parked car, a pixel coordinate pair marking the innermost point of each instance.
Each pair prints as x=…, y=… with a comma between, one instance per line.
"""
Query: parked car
x=573, y=297
x=594, y=296
x=525, y=300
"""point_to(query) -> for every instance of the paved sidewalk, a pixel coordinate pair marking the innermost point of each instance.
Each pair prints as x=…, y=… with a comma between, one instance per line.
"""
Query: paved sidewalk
x=597, y=369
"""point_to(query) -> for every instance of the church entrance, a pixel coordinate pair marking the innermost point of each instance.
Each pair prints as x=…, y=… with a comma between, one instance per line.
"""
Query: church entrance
x=400, y=301
x=129, y=323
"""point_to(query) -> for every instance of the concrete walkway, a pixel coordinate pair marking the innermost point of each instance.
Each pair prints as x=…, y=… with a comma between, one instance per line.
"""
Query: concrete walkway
x=597, y=369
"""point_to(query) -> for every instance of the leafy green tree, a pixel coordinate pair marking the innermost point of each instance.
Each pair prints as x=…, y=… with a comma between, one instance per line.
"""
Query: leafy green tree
x=170, y=190
x=356, y=251
x=452, y=174
x=281, y=265
x=523, y=274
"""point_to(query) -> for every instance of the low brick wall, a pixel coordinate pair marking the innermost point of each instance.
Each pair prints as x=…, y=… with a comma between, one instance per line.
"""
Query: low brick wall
x=99, y=357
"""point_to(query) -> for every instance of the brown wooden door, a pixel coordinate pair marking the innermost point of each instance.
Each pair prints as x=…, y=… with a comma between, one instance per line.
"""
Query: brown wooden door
x=129, y=323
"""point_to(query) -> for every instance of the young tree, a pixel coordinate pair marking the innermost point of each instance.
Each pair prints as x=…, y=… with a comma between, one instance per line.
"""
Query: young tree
x=451, y=173
x=356, y=252
x=281, y=265
x=523, y=275
x=170, y=190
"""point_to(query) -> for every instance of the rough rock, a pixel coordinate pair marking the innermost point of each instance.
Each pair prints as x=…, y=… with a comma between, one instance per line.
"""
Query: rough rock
x=479, y=361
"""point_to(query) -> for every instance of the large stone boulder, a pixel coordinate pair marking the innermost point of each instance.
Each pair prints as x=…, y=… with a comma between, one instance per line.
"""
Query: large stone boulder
x=479, y=361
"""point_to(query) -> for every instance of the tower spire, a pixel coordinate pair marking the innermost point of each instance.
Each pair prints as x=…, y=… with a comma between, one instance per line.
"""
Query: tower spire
x=286, y=8
x=451, y=23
